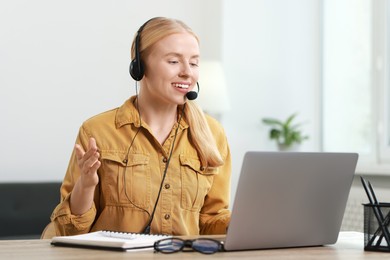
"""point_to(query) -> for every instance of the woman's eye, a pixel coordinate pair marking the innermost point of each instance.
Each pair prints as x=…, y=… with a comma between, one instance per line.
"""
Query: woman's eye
x=173, y=62
x=194, y=64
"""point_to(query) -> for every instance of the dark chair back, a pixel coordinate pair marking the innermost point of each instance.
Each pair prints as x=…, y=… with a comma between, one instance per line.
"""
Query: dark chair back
x=25, y=208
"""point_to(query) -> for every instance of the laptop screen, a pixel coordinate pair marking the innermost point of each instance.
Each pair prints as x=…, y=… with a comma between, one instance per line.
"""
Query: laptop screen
x=290, y=199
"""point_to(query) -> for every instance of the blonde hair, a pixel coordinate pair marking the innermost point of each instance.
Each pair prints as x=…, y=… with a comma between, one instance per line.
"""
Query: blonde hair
x=200, y=133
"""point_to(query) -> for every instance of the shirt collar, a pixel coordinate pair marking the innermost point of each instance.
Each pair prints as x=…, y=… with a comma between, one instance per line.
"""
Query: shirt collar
x=128, y=114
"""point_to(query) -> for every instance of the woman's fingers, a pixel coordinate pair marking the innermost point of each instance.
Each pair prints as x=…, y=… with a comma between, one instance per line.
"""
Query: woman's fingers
x=92, y=144
x=88, y=161
x=91, y=162
x=79, y=152
x=95, y=166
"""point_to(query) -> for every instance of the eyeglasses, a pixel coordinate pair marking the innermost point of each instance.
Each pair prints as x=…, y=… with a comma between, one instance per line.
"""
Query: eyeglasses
x=201, y=245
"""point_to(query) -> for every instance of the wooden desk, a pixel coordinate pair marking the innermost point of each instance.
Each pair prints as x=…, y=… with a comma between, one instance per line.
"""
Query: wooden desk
x=349, y=246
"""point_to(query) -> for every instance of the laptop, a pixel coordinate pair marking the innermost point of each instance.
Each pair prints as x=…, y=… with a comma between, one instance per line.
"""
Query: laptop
x=290, y=199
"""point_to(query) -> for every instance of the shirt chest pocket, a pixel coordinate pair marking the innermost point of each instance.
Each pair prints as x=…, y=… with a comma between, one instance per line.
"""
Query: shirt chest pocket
x=195, y=183
x=126, y=182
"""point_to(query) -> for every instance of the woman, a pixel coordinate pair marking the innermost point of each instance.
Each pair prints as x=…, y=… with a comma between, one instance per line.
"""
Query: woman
x=156, y=164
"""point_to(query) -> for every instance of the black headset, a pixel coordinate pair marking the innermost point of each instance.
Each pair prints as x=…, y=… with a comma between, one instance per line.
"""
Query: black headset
x=136, y=66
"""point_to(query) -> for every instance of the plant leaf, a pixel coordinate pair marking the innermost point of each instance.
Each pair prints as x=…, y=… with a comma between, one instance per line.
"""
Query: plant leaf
x=272, y=121
x=285, y=132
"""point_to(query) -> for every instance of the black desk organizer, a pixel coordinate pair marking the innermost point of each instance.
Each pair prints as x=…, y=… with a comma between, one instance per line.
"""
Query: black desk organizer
x=376, y=222
x=375, y=229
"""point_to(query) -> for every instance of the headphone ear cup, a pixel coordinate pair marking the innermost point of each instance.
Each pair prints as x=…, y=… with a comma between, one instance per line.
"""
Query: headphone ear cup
x=136, y=70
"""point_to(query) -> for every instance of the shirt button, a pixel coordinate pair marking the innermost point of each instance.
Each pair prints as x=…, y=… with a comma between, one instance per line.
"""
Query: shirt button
x=167, y=216
x=165, y=160
x=202, y=168
x=167, y=186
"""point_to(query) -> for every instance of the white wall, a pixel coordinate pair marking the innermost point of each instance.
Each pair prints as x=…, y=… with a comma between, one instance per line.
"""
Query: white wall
x=271, y=54
x=64, y=61
x=61, y=62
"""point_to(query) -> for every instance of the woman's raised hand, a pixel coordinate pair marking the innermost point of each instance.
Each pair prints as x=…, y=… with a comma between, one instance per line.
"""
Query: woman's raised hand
x=88, y=163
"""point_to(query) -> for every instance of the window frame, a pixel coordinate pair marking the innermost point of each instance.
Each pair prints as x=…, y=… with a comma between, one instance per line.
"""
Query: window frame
x=381, y=74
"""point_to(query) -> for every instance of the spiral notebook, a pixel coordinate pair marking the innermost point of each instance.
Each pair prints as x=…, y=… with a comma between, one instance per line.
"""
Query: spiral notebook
x=109, y=240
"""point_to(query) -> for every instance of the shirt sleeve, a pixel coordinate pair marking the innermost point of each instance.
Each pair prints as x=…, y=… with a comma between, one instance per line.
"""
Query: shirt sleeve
x=64, y=221
x=215, y=215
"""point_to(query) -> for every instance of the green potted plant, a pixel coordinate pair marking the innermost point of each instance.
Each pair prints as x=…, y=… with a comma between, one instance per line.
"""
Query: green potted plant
x=287, y=134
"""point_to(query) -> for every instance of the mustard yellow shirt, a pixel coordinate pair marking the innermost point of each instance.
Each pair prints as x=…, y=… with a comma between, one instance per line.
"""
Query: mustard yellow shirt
x=194, y=200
